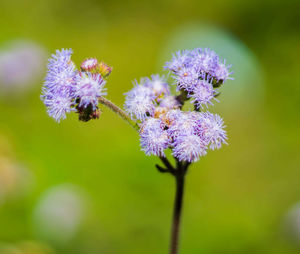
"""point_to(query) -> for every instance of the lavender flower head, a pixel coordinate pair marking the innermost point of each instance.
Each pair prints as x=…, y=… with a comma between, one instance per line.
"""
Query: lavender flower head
x=140, y=102
x=189, y=148
x=89, y=88
x=158, y=85
x=211, y=128
x=203, y=94
x=186, y=78
x=154, y=139
x=66, y=89
x=59, y=85
x=169, y=102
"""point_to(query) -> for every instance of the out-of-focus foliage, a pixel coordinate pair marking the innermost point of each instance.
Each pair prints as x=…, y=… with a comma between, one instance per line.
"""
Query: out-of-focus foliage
x=237, y=199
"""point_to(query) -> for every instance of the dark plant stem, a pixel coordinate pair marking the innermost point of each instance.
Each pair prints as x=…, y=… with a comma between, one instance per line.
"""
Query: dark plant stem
x=179, y=177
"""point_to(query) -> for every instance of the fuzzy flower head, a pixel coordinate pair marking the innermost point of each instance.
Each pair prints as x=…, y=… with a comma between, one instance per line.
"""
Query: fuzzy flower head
x=58, y=106
x=186, y=78
x=189, y=148
x=59, y=84
x=60, y=60
x=204, y=60
x=222, y=72
x=179, y=60
x=203, y=94
x=169, y=102
x=139, y=103
x=211, y=128
x=182, y=123
x=154, y=139
x=158, y=85
x=89, y=88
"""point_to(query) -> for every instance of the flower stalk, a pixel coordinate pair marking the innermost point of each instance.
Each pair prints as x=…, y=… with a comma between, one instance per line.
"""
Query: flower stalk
x=118, y=111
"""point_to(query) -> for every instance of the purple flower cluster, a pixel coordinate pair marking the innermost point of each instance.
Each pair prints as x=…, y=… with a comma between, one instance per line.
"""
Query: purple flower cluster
x=66, y=89
x=197, y=72
x=163, y=123
x=188, y=133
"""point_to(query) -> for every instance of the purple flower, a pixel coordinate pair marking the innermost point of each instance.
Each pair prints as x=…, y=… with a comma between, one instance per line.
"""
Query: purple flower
x=203, y=94
x=169, y=102
x=60, y=60
x=139, y=102
x=89, y=88
x=59, y=85
x=154, y=139
x=221, y=72
x=204, y=60
x=189, y=148
x=186, y=78
x=182, y=123
x=180, y=59
x=211, y=128
x=158, y=85
x=58, y=106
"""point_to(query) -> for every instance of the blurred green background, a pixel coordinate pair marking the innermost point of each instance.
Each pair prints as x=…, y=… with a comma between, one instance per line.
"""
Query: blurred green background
x=78, y=188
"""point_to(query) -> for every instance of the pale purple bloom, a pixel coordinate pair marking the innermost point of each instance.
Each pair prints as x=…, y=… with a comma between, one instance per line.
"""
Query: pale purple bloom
x=204, y=60
x=89, y=64
x=89, y=88
x=60, y=60
x=179, y=60
x=221, y=72
x=58, y=106
x=186, y=78
x=203, y=94
x=171, y=116
x=189, y=148
x=59, y=85
x=154, y=139
x=182, y=123
x=60, y=80
x=140, y=102
x=170, y=102
x=158, y=85
x=211, y=128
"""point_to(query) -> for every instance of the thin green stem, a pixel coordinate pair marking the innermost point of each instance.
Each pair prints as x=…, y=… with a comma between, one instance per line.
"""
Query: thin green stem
x=119, y=111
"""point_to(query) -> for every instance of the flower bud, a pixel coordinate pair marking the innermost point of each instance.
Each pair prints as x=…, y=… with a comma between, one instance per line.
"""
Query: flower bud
x=90, y=64
x=104, y=69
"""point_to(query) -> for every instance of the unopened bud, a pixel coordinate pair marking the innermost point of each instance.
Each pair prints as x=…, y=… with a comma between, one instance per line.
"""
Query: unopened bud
x=104, y=69
x=89, y=64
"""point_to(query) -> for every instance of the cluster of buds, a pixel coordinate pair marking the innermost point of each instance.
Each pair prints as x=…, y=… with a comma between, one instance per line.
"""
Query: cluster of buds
x=67, y=89
x=91, y=65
